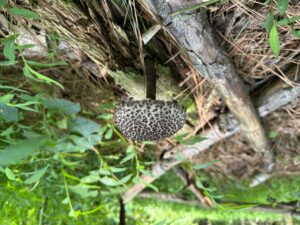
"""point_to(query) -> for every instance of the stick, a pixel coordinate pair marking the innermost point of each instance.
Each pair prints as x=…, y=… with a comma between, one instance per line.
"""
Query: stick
x=183, y=175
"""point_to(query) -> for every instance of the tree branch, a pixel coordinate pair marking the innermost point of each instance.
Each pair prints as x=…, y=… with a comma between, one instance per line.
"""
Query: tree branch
x=183, y=175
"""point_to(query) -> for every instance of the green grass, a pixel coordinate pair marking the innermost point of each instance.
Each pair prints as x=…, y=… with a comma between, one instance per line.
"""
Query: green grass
x=151, y=211
x=280, y=189
x=20, y=205
x=276, y=190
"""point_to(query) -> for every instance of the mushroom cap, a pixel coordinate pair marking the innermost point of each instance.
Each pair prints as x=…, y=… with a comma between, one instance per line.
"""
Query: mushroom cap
x=149, y=120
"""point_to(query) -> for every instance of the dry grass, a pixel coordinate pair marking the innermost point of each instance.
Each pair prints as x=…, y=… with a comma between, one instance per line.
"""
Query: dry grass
x=239, y=161
x=240, y=26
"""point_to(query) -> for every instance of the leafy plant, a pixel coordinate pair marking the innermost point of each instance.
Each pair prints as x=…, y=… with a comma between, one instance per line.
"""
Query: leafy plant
x=271, y=24
x=189, y=140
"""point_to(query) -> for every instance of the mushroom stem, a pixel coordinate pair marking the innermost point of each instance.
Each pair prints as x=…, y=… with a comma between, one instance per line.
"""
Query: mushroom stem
x=150, y=79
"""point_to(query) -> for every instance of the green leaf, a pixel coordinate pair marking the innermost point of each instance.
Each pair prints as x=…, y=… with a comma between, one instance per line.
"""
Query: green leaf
x=192, y=140
x=46, y=65
x=83, y=191
x=74, y=213
x=136, y=179
x=35, y=177
x=24, y=148
x=274, y=40
x=2, y=3
x=7, y=63
x=62, y=105
x=269, y=22
x=273, y=134
x=199, y=184
x=8, y=131
x=12, y=88
x=197, y=6
x=149, y=185
x=29, y=72
x=125, y=179
x=92, y=178
x=128, y=157
x=26, y=46
x=180, y=137
x=296, y=33
x=282, y=5
x=233, y=206
x=83, y=143
x=267, y=2
x=10, y=174
x=66, y=144
x=6, y=98
x=83, y=126
x=104, y=171
x=8, y=113
x=24, y=105
x=107, y=105
x=109, y=133
x=205, y=165
x=117, y=170
x=105, y=116
x=109, y=181
x=287, y=21
x=24, y=12
x=74, y=143
x=130, y=154
x=9, y=50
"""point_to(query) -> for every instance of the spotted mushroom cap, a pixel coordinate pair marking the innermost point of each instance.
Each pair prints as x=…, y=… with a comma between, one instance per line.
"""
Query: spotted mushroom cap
x=149, y=120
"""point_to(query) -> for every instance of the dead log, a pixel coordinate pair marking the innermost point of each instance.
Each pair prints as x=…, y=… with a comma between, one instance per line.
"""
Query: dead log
x=196, y=38
x=223, y=128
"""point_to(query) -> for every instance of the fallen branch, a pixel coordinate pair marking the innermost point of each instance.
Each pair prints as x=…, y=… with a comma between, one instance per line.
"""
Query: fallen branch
x=224, y=128
x=194, y=34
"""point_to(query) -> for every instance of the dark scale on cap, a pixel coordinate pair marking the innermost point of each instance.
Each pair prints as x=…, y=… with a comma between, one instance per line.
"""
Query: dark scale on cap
x=149, y=120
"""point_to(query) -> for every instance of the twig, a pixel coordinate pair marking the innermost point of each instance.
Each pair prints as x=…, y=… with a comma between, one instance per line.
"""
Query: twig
x=122, y=216
x=183, y=175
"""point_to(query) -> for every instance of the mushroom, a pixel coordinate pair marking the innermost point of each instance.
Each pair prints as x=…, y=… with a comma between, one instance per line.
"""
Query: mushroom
x=149, y=119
